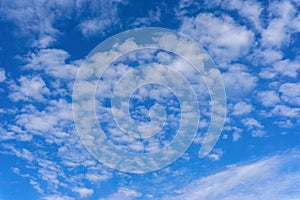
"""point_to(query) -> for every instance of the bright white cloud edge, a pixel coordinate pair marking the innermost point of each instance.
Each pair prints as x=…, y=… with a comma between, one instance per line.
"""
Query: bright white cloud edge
x=275, y=177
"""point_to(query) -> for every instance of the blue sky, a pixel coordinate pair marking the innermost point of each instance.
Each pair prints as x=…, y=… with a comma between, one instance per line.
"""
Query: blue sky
x=255, y=46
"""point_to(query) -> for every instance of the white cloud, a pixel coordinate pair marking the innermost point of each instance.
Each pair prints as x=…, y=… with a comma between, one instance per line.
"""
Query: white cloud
x=51, y=126
x=267, y=73
x=38, y=19
x=153, y=16
x=93, y=26
x=124, y=194
x=285, y=124
x=236, y=136
x=104, y=15
x=238, y=82
x=258, y=133
x=34, y=17
x=278, y=31
x=291, y=93
x=97, y=177
x=225, y=39
x=283, y=110
x=241, y=108
x=22, y=153
x=37, y=122
x=53, y=63
x=266, y=56
x=290, y=89
x=268, y=98
x=36, y=186
x=287, y=68
x=84, y=192
x=51, y=120
x=2, y=75
x=14, y=133
x=276, y=177
x=248, y=9
x=216, y=154
x=251, y=123
x=275, y=33
x=29, y=89
x=236, y=132
x=45, y=58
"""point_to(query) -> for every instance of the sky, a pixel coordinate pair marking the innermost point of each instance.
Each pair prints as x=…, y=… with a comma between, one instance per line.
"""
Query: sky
x=132, y=126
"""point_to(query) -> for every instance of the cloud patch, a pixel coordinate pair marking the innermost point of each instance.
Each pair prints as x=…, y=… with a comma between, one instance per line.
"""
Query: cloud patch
x=275, y=177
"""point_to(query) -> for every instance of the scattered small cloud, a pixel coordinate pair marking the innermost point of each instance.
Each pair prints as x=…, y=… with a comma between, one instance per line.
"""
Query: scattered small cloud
x=268, y=98
x=124, y=194
x=84, y=192
x=215, y=155
x=242, y=108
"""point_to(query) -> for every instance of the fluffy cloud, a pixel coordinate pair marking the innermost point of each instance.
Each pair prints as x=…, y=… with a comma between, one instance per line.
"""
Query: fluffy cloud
x=238, y=82
x=53, y=63
x=236, y=136
x=216, y=154
x=124, y=194
x=290, y=89
x=236, y=132
x=241, y=108
x=99, y=23
x=84, y=192
x=285, y=123
x=254, y=126
x=251, y=123
x=250, y=10
x=35, y=17
x=258, y=133
x=291, y=93
x=287, y=68
x=29, y=89
x=266, y=56
x=225, y=39
x=286, y=111
x=278, y=31
x=38, y=19
x=268, y=98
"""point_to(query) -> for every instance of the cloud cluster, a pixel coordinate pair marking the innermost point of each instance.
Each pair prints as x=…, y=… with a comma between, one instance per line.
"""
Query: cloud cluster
x=39, y=19
x=255, y=46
